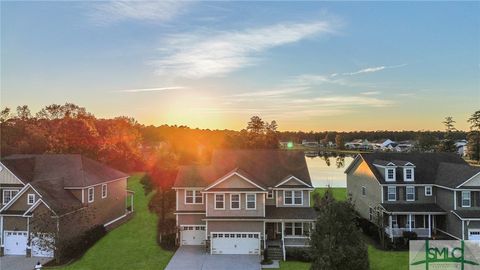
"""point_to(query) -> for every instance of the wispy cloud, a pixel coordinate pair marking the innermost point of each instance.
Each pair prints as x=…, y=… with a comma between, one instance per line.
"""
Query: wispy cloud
x=371, y=93
x=138, y=90
x=345, y=101
x=372, y=69
x=272, y=93
x=197, y=55
x=117, y=11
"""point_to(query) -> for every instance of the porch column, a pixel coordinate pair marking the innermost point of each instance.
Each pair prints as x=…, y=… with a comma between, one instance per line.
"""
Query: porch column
x=131, y=201
x=410, y=222
x=390, y=227
x=264, y=236
x=429, y=226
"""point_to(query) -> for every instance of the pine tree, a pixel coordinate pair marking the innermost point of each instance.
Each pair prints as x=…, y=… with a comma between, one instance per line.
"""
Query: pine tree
x=473, y=137
x=336, y=240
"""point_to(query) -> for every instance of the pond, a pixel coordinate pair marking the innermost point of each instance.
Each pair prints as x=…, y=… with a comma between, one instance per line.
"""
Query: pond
x=328, y=169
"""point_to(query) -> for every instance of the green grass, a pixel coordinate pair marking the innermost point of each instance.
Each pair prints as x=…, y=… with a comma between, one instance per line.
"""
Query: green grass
x=130, y=246
x=339, y=194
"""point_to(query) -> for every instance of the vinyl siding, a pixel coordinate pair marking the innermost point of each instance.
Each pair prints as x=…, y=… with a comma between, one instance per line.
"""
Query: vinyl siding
x=11, y=223
x=259, y=211
x=6, y=177
x=280, y=201
x=235, y=226
x=181, y=206
x=189, y=219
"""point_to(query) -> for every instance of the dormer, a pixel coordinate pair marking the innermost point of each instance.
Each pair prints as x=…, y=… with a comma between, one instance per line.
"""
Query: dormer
x=408, y=170
x=387, y=168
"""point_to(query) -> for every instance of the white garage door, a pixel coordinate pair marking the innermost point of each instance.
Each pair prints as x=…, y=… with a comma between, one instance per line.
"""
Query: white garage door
x=192, y=235
x=15, y=243
x=235, y=243
x=42, y=245
x=474, y=235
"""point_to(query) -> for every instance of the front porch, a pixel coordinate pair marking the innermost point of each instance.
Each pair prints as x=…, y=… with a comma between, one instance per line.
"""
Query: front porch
x=286, y=233
x=424, y=225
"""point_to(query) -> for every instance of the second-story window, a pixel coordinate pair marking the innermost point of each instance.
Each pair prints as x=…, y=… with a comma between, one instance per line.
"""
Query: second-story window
x=410, y=190
x=428, y=190
x=91, y=194
x=392, y=193
x=219, y=201
x=235, y=201
x=251, y=201
x=193, y=197
x=104, y=191
x=364, y=191
x=8, y=195
x=291, y=197
x=270, y=194
x=408, y=174
x=466, y=199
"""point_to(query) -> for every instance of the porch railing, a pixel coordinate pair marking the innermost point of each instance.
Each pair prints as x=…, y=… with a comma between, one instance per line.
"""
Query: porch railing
x=398, y=232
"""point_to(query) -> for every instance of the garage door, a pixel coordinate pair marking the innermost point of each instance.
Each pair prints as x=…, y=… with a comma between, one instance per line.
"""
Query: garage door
x=474, y=235
x=192, y=235
x=235, y=243
x=15, y=243
x=42, y=245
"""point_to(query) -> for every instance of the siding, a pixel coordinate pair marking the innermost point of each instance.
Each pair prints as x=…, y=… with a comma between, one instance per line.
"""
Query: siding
x=111, y=207
x=20, y=204
x=401, y=195
x=259, y=211
x=181, y=206
x=359, y=176
x=235, y=181
x=235, y=226
x=6, y=177
x=279, y=198
x=189, y=219
x=11, y=223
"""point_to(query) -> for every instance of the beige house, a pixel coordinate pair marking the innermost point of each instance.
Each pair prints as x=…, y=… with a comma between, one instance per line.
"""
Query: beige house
x=47, y=199
x=245, y=201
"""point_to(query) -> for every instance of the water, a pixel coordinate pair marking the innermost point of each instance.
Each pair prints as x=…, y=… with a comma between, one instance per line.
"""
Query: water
x=327, y=170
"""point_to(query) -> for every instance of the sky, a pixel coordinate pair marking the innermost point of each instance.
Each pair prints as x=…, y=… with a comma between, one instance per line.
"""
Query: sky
x=308, y=65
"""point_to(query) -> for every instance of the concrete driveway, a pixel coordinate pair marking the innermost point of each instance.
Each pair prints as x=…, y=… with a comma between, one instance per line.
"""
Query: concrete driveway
x=20, y=262
x=195, y=258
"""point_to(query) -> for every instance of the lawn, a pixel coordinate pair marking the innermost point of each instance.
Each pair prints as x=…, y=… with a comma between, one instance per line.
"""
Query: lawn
x=130, y=246
x=339, y=194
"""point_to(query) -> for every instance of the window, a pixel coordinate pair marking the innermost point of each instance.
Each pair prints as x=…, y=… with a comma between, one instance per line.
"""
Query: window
x=270, y=194
x=392, y=193
x=193, y=197
x=390, y=174
x=251, y=201
x=219, y=201
x=235, y=201
x=291, y=197
x=466, y=199
x=408, y=174
x=428, y=190
x=394, y=221
x=104, y=191
x=30, y=199
x=364, y=191
x=296, y=229
x=370, y=213
x=8, y=195
x=410, y=190
x=91, y=195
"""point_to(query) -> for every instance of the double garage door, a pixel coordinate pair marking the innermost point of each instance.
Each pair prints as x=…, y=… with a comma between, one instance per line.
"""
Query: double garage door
x=235, y=243
x=474, y=235
x=15, y=243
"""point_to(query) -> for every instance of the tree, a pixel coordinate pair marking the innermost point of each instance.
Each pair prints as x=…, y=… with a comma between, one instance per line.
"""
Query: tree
x=448, y=144
x=256, y=125
x=426, y=142
x=5, y=115
x=339, y=141
x=336, y=241
x=473, y=137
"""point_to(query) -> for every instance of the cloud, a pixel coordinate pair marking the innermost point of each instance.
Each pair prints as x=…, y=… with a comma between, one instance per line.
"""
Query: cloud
x=371, y=93
x=271, y=93
x=372, y=69
x=150, y=89
x=198, y=55
x=117, y=11
x=345, y=101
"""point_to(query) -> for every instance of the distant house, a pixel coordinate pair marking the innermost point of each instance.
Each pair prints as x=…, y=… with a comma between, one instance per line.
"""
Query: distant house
x=42, y=196
x=359, y=144
x=310, y=143
x=461, y=146
x=426, y=193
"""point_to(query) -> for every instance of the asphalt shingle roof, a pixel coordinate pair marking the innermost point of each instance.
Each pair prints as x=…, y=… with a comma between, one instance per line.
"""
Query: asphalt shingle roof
x=468, y=213
x=264, y=167
x=412, y=208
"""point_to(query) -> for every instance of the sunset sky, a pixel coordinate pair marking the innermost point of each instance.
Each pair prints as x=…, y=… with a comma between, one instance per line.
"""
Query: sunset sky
x=307, y=65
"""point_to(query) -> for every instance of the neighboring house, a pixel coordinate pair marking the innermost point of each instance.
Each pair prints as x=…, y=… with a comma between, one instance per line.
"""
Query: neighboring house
x=461, y=147
x=245, y=201
x=51, y=198
x=310, y=143
x=359, y=144
x=427, y=193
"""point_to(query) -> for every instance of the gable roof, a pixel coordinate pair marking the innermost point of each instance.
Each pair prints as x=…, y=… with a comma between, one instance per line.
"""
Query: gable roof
x=75, y=170
x=264, y=167
x=243, y=175
x=452, y=175
x=428, y=166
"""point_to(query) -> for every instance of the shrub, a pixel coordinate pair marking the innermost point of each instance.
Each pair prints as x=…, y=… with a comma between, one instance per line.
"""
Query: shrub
x=167, y=241
x=409, y=235
x=298, y=254
x=75, y=247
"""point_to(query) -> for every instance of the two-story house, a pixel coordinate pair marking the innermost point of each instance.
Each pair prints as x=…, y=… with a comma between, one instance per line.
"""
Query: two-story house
x=52, y=198
x=245, y=201
x=428, y=193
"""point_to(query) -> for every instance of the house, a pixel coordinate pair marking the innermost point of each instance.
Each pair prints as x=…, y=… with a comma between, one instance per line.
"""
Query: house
x=359, y=144
x=382, y=145
x=310, y=143
x=245, y=201
x=47, y=200
x=427, y=193
x=461, y=146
